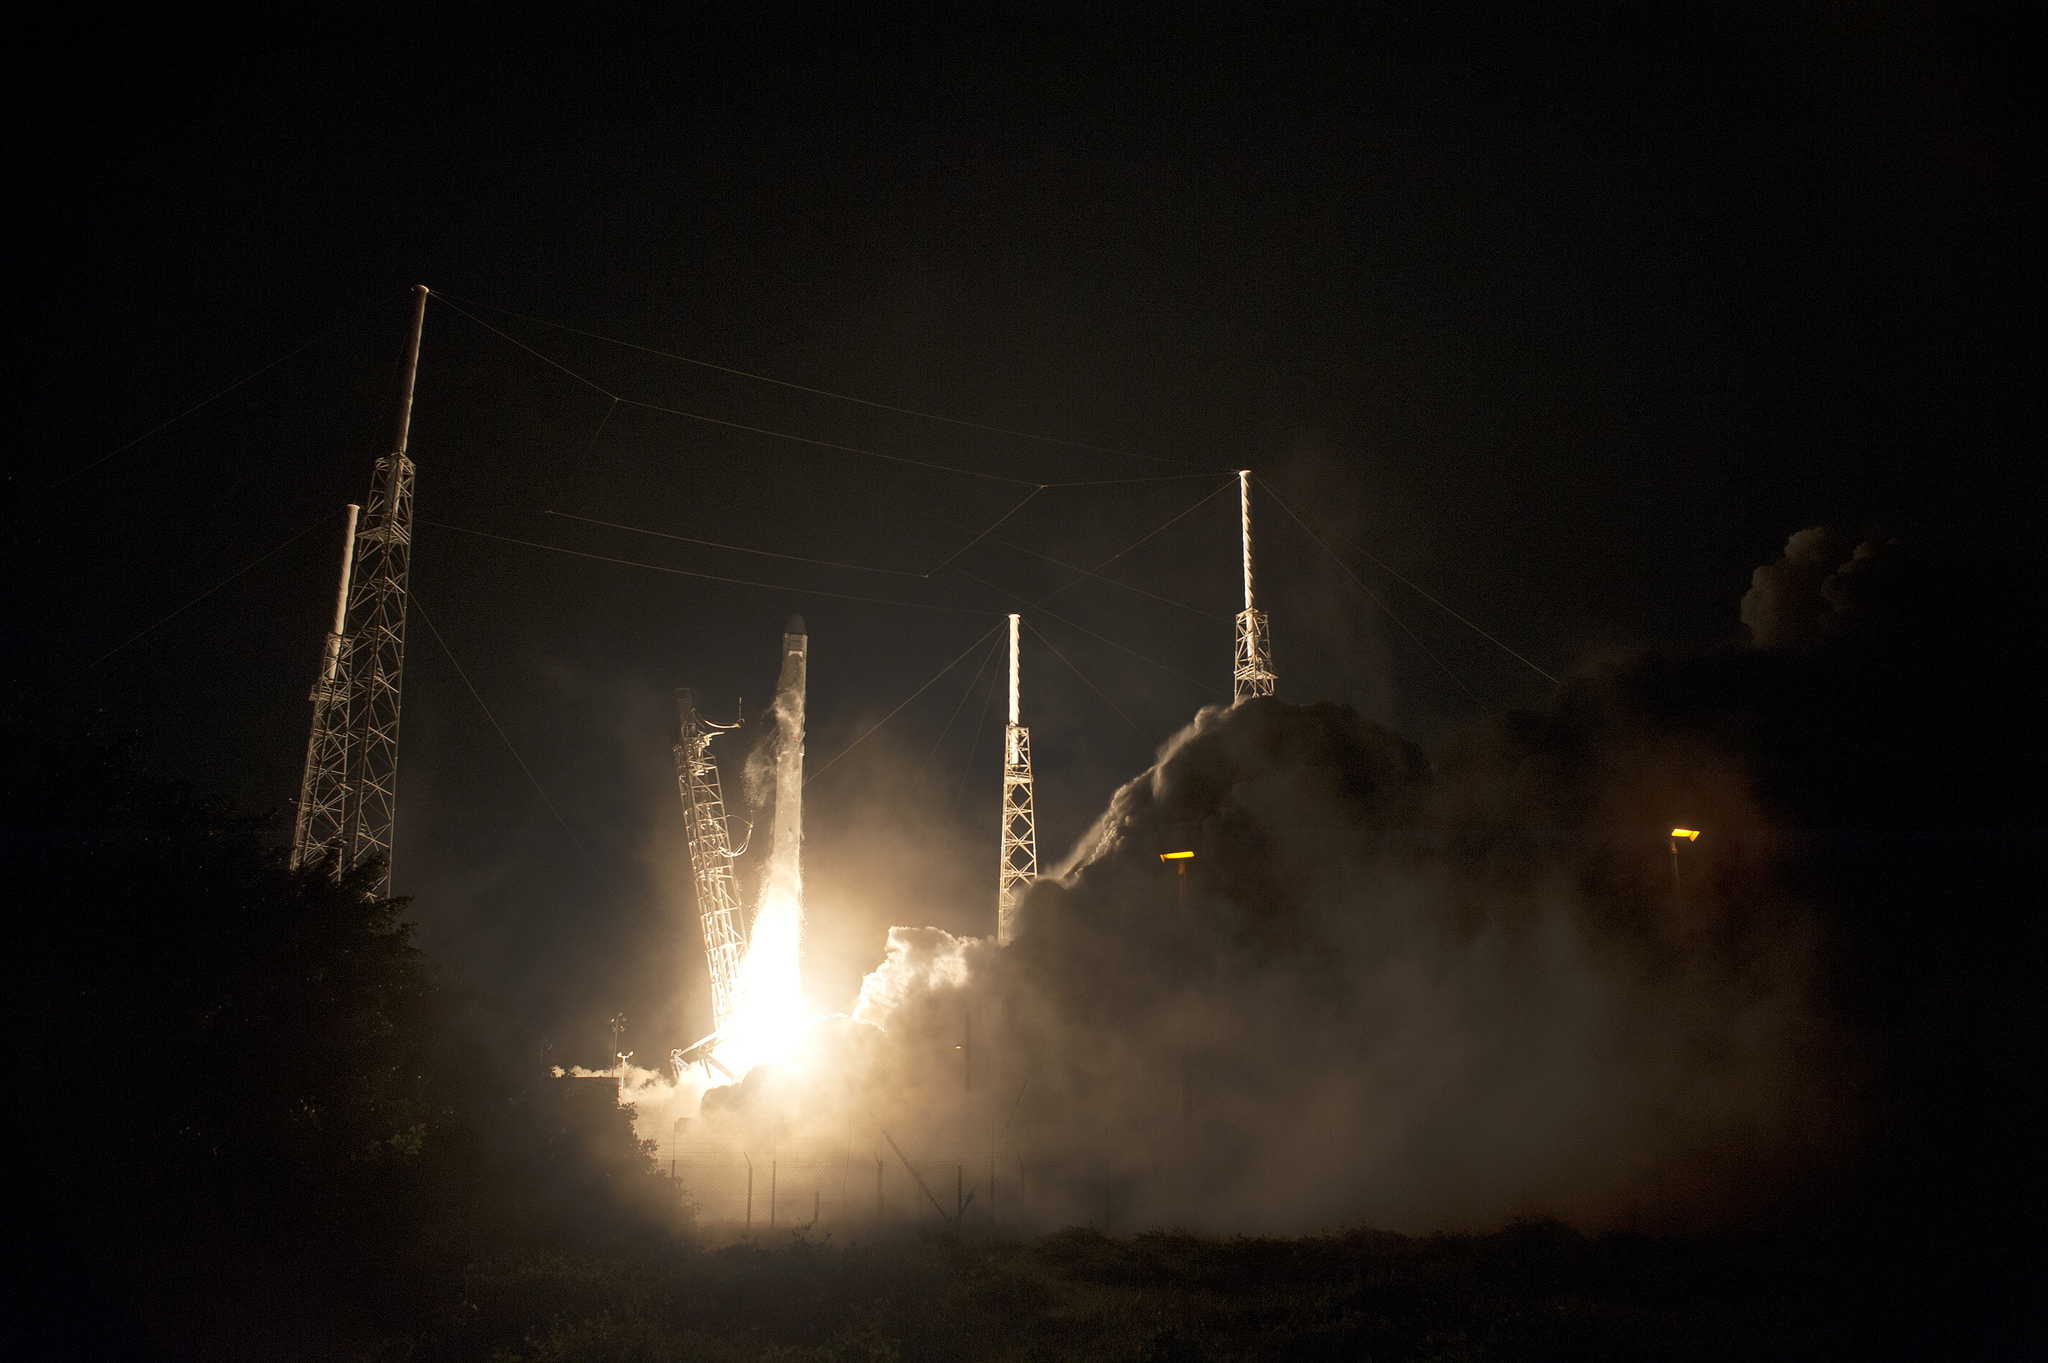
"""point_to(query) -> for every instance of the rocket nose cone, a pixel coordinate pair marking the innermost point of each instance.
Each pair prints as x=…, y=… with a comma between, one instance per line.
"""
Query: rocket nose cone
x=796, y=625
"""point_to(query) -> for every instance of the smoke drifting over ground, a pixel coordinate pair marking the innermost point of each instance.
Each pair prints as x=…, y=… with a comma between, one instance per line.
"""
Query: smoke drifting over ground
x=1429, y=994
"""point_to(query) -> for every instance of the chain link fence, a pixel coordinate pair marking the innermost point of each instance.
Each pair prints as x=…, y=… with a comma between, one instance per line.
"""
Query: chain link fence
x=796, y=1188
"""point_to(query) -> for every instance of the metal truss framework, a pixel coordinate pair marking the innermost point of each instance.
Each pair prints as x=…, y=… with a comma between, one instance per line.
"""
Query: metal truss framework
x=323, y=790
x=348, y=796
x=376, y=667
x=1252, y=674
x=711, y=855
x=1020, y=821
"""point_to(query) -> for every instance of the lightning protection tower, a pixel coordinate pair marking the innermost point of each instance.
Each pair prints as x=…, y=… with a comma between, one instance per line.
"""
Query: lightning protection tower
x=323, y=786
x=377, y=649
x=711, y=854
x=1253, y=674
x=1020, y=822
x=349, y=794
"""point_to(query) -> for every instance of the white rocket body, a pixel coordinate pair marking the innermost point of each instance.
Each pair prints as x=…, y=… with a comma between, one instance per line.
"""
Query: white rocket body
x=785, y=851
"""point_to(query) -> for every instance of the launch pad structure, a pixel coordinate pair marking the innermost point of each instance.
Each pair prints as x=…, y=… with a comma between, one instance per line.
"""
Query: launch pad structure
x=1252, y=674
x=1019, y=862
x=323, y=787
x=348, y=794
x=719, y=912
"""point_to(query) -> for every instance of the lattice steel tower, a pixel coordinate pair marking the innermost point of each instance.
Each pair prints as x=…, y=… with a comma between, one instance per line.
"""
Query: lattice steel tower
x=1020, y=822
x=711, y=854
x=322, y=788
x=1253, y=675
x=349, y=794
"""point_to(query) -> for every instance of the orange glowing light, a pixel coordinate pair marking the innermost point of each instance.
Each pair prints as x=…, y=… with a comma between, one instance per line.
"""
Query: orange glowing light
x=1183, y=856
x=1692, y=834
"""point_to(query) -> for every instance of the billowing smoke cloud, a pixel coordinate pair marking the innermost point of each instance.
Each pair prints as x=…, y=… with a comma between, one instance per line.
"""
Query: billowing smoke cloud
x=1421, y=994
x=1783, y=606
x=1814, y=591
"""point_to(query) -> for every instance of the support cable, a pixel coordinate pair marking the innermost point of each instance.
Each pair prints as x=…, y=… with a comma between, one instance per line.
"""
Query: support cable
x=1091, y=685
x=1057, y=563
x=318, y=521
x=899, y=709
x=1119, y=482
x=1369, y=593
x=967, y=768
x=799, y=439
x=576, y=469
x=943, y=1214
x=1029, y=1070
x=1135, y=543
x=984, y=534
x=982, y=667
x=708, y=577
x=1121, y=648
x=720, y=421
x=736, y=548
x=827, y=393
x=1445, y=609
x=204, y=402
x=509, y=746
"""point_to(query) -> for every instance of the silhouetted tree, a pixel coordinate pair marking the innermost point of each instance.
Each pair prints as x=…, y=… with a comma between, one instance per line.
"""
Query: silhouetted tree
x=245, y=1079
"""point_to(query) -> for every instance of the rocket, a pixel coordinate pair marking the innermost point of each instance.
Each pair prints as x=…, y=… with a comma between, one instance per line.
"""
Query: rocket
x=785, y=850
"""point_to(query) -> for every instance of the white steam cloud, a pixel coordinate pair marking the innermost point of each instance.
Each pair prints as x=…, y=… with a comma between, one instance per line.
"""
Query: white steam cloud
x=1392, y=997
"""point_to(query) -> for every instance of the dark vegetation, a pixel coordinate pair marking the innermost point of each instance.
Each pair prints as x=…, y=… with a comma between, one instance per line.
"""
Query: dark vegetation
x=257, y=1110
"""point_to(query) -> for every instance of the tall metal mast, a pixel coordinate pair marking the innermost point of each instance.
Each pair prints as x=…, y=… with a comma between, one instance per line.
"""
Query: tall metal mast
x=718, y=890
x=377, y=647
x=323, y=789
x=1253, y=674
x=1020, y=822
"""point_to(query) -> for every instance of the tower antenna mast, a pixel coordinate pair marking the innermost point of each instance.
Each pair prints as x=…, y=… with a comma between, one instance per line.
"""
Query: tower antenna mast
x=348, y=794
x=323, y=787
x=1020, y=821
x=1253, y=674
x=377, y=648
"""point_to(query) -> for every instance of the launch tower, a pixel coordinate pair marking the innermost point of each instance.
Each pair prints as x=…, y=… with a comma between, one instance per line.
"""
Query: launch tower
x=1020, y=822
x=349, y=792
x=1253, y=674
x=718, y=890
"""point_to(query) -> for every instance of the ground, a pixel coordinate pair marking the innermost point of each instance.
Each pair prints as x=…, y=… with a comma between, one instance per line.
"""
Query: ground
x=1535, y=1291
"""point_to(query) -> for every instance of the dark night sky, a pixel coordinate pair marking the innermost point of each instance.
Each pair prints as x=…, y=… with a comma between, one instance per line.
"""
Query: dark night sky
x=1571, y=319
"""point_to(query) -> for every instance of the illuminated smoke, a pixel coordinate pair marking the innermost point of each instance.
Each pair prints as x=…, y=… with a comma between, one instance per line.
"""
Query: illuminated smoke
x=1443, y=991
x=1389, y=1000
